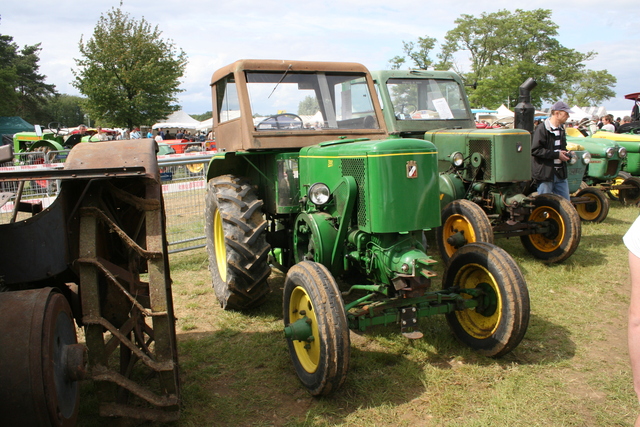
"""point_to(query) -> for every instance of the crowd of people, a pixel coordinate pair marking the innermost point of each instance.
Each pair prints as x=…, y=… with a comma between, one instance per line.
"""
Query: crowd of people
x=183, y=134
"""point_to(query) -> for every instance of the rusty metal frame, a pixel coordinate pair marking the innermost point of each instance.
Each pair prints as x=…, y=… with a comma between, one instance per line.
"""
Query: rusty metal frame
x=153, y=345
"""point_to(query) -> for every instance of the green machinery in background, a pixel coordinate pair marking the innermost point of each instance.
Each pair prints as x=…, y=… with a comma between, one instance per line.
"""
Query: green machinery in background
x=485, y=174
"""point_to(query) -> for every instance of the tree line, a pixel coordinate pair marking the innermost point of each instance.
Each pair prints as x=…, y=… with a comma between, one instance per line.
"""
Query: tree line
x=496, y=52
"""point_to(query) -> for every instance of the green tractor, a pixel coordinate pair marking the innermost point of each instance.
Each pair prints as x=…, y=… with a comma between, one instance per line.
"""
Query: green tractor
x=625, y=184
x=331, y=196
x=485, y=174
x=53, y=138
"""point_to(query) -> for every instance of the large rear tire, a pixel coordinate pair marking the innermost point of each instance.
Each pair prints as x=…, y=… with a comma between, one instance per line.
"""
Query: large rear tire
x=236, y=243
x=597, y=209
x=565, y=230
x=312, y=297
x=498, y=324
x=463, y=222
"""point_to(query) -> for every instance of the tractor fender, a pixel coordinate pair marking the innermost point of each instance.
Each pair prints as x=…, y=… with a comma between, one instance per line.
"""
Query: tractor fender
x=52, y=145
x=116, y=157
x=451, y=188
x=224, y=163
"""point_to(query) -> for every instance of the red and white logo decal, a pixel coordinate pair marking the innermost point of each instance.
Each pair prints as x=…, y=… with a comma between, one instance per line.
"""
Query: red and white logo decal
x=412, y=169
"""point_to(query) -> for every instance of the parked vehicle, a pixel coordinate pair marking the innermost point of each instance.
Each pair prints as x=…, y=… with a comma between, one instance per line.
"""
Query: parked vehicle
x=485, y=174
x=346, y=201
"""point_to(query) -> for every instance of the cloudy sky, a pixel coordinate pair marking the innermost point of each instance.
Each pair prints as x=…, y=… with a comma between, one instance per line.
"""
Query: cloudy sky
x=215, y=33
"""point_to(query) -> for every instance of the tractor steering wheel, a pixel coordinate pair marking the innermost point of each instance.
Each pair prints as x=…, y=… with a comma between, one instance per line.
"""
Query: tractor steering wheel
x=281, y=124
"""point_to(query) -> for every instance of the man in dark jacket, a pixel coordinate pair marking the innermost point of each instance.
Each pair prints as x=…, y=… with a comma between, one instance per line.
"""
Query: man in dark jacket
x=549, y=153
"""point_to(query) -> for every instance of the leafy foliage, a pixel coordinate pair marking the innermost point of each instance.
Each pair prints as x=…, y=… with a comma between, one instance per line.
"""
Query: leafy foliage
x=67, y=110
x=202, y=117
x=22, y=88
x=505, y=48
x=128, y=73
x=308, y=106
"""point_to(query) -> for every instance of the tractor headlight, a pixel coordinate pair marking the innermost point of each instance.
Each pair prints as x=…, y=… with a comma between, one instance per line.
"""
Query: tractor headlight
x=586, y=157
x=457, y=159
x=610, y=151
x=573, y=158
x=622, y=152
x=319, y=194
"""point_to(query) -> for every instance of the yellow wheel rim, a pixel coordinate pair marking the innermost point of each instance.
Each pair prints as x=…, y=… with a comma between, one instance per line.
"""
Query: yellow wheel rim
x=542, y=242
x=219, y=245
x=195, y=167
x=583, y=210
x=308, y=353
x=478, y=325
x=454, y=224
x=616, y=181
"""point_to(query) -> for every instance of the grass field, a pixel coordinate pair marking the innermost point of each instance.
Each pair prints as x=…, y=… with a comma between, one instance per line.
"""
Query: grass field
x=571, y=369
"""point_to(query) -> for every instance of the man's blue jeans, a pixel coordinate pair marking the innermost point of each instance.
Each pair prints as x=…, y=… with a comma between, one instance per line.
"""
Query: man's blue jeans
x=558, y=186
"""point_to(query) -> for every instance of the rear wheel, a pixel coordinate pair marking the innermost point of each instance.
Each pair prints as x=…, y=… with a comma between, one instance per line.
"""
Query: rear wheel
x=499, y=321
x=316, y=327
x=194, y=169
x=631, y=195
x=236, y=244
x=614, y=194
x=597, y=209
x=563, y=233
x=463, y=222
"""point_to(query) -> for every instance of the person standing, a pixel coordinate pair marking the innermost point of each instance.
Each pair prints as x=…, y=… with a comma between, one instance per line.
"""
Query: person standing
x=635, y=111
x=549, y=153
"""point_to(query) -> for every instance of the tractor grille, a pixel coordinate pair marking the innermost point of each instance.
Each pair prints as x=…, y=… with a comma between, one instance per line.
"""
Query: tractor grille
x=612, y=168
x=483, y=147
x=356, y=169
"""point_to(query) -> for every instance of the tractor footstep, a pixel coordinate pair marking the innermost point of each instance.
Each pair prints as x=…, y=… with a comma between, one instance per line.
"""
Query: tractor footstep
x=415, y=335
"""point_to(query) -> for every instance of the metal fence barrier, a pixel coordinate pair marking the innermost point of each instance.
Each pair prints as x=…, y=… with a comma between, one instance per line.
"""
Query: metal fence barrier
x=183, y=187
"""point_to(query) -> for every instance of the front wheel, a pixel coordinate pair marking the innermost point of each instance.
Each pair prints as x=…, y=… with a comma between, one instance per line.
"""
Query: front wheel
x=316, y=327
x=596, y=209
x=562, y=229
x=236, y=243
x=463, y=222
x=618, y=180
x=630, y=195
x=498, y=323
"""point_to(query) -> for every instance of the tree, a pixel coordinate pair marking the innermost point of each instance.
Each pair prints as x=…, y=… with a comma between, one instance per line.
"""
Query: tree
x=418, y=53
x=68, y=110
x=22, y=88
x=128, y=73
x=308, y=106
x=505, y=48
x=591, y=88
x=202, y=117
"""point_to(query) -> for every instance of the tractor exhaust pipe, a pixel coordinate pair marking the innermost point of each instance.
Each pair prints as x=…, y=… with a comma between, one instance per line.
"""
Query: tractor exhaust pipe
x=524, y=111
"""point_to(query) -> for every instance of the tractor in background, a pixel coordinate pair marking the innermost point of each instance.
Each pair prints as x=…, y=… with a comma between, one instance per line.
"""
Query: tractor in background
x=484, y=174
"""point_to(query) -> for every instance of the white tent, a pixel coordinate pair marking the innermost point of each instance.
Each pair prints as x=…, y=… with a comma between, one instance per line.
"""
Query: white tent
x=205, y=124
x=578, y=114
x=178, y=120
x=504, y=112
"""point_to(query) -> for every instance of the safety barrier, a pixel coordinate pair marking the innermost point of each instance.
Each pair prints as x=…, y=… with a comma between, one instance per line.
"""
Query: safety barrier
x=183, y=187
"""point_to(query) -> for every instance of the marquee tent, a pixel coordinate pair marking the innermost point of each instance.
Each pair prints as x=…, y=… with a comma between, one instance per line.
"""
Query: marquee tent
x=178, y=120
